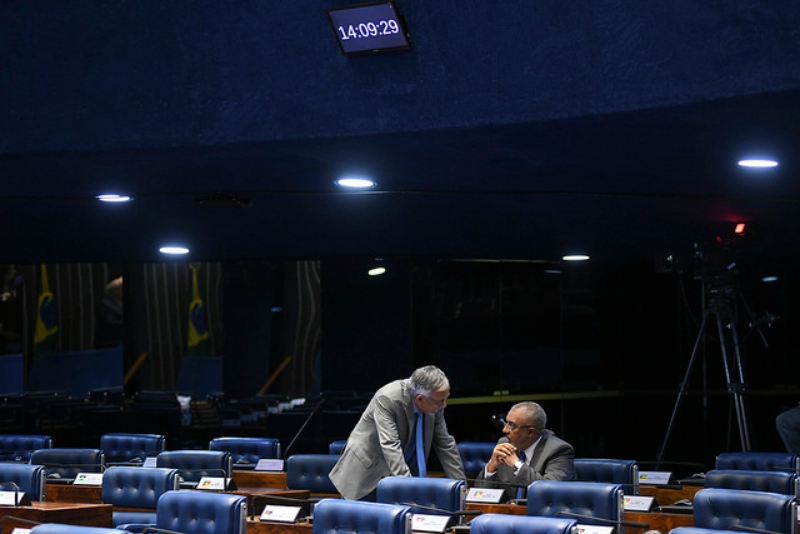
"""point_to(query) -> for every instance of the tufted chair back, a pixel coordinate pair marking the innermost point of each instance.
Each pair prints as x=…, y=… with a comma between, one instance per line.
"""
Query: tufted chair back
x=475, y=454
x=65, y=464
x=311, y=472
x=772, y=481
x=247, y=451
x=441, y=493
x=126, y=447
x=200, y=512
x=622, y=472
x=758, y=461
x=731, y=509
x=194, y=465
x=522, y=524
x=26, y=477
x=338, y=516
x=18, y=447
x=337, y=446
x=139, y=488
x=60, y=528
x=553, y=498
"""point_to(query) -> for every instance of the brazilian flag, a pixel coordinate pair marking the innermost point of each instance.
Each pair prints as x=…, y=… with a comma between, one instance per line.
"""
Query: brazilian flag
x=45, y=337
x=197, y=343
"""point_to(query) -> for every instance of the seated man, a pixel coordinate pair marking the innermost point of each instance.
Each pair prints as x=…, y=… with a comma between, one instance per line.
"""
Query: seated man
x=528, y=452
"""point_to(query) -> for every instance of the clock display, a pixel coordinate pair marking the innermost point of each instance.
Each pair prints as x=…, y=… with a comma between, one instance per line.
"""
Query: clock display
x=368, y=28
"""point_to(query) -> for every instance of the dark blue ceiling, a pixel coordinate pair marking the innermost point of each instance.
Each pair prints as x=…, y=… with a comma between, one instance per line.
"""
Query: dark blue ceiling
x=519, y=129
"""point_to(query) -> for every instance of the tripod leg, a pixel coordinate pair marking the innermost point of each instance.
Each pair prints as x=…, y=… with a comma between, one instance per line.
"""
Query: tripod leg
x=684, y=385
x=736, y=389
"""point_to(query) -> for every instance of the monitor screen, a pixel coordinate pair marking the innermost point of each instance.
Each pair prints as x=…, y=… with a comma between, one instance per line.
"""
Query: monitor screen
x=368, y=28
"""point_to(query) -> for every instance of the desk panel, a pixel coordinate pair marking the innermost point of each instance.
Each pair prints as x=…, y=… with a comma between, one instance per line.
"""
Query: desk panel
x=265, y=527
x=259, y=479
x=94, y=515
x=71, y=493
x=669, y=495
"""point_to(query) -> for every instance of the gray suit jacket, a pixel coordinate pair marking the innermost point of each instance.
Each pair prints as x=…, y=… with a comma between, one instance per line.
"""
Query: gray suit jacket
x=553, y=459
x=375, y=447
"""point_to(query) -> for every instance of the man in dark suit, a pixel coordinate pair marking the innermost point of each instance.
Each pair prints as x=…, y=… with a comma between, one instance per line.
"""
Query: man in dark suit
x=383, y=442
x=528, y=452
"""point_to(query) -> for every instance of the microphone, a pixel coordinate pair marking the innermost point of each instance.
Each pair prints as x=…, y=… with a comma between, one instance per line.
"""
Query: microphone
x=603, y=520
x=157, y=530
x=302, y=427
x=745, y=528
x=441, y=511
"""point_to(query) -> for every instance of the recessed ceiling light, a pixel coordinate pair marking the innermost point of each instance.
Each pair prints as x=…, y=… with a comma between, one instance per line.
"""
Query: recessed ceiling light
x=113, y=197
x=356, y=183
x=174, y=250
x=758, y=163
x=376, y=271
x=770, y=279
x=575, y=257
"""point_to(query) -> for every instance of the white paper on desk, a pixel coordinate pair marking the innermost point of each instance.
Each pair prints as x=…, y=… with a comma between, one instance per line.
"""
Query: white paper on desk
x=429, y=523
x=487, y=495
x=279, y=513
x=88, y=479
x=266, y=464
x=594, y=529
x=654, y=477
x=637, y=503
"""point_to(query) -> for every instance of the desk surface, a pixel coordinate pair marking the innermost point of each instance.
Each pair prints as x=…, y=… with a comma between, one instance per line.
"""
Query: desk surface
x=669, y=495
x=95, y=515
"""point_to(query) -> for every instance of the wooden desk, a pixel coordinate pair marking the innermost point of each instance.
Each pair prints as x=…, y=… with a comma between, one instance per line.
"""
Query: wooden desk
x=71, y=493
x=266, y=527
x=94, y=515
x=259, y=479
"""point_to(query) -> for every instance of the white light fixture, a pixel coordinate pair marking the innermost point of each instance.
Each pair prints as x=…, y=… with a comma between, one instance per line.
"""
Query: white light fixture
x=113, y=197
x=376, y=271
x=758, y=163
x=173, y=250
x=575, y=257
x=355, y=183
x=770, y=279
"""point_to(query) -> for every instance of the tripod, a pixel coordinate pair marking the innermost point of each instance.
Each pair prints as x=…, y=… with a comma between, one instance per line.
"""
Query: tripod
x=722, y=296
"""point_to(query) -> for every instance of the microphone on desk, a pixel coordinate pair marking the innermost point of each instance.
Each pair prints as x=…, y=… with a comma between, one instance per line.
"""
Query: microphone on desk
x=302, y=427
x=20, y=499
x=603, y=520
x=455, y=515
x=148, y=530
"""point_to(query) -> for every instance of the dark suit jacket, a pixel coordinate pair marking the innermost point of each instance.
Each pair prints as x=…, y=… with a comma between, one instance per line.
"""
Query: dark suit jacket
x=553, y=459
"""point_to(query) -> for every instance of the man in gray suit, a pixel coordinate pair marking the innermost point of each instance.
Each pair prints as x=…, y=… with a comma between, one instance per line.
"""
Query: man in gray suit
x=528, y=452
x=383, y=442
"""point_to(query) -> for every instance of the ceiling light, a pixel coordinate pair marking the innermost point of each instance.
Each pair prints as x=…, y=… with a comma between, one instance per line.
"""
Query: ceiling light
x=758, y=163
x=575, y=257
x=356, y=183
x=376, y=271
x=113, y=197
x=770, y=279
x=174, y=250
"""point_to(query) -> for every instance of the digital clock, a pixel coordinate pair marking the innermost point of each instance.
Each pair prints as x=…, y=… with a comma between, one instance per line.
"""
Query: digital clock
x=366, y=28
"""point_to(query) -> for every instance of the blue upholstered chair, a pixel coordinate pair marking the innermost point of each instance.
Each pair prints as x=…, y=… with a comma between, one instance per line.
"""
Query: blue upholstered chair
x=730, y=509
x=23, y=477
x=127, y=447
x=194, y=465
x=700, y=530
x=475, y=454
x=311, y=472
x=576, y=500
x=201, y=512
x=134, y=492
x=614, y=471
x=521, y=524
x=18, y=447
x=60, y=528
x=338, y=516
x=431, y=494
x=247, y=451
x=785, y=482
x=336, y=447
x=758, y=461
x=66, y=463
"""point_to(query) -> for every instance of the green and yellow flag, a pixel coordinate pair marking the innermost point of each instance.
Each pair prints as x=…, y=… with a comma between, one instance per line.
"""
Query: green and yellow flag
x=45, y=337
x=197, y=342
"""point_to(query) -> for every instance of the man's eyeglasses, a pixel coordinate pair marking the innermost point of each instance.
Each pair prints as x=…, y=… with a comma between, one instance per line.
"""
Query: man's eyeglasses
x=439, y=403
x=514, y=426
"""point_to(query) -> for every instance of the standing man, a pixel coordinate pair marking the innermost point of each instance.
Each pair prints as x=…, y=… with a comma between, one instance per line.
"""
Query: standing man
x=383, y=442
x=528, y=452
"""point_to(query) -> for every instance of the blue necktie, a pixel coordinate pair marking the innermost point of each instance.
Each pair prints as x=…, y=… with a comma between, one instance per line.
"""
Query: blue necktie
x=521, y=491
x=420, y=447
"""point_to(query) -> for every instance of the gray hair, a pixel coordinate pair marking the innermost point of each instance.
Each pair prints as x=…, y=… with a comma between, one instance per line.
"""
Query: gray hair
x=427, y=379
x=532, y=413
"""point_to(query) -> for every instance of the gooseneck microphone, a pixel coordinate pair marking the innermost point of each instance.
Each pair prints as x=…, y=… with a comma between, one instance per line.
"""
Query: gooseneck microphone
x=442, y=511
x=302, y=427
x=751, y=529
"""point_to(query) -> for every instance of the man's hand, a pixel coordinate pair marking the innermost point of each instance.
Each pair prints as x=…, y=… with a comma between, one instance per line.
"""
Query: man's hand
x=503, y=453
